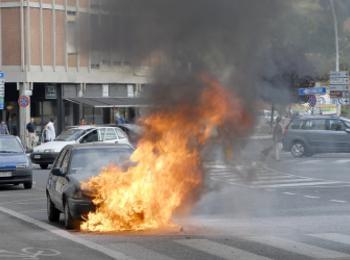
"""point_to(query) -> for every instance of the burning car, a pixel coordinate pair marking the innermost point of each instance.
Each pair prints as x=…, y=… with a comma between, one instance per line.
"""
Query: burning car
x=75, y=164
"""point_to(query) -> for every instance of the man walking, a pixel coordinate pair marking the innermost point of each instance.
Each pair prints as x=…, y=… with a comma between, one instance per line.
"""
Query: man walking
x=277, y=138
x=31, y=134
x=3, y=128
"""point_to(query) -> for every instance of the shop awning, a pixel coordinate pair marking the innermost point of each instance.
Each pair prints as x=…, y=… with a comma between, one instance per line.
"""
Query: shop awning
x=111, y=102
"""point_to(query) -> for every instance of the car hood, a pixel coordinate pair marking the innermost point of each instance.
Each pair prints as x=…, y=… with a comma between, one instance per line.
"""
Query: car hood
x=54, y=146
x=11, y=160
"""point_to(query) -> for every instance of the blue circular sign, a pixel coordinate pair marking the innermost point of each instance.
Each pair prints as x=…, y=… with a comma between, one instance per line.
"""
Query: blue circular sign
x=23, y=101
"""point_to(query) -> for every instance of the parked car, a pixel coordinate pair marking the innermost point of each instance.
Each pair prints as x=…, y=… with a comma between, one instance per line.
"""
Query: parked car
x=15, y=167
x=46, y=153
x=305, y=136
x=133, y=131
x=74, y=164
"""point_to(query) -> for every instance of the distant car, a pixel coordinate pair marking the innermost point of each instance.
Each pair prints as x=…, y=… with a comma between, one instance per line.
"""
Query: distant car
x=15, y=167
x=46, y=153
x=305, y=136
x=74, y=164
x=133, y=131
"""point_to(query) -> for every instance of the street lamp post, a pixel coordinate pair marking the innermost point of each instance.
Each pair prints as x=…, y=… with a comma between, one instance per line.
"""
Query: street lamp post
x=335, y=20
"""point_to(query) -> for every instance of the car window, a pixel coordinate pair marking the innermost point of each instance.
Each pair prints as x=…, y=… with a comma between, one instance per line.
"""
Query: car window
x=336, y=125
x=65, y=161
x=315, y=124
x=10, y=145
x=121, y=134
x=110, y=134
x=59, y=159
x=90, y=137
x=296, y=124
x=71, y=134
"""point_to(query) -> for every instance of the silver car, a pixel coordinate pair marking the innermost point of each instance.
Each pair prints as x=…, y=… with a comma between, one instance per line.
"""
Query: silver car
x=305, y=136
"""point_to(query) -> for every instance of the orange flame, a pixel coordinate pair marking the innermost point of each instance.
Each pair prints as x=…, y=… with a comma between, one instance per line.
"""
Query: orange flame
x=167, y=166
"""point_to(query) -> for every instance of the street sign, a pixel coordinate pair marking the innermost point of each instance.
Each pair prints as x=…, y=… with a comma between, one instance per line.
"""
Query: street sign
x=336, y=94
x=312, y=101
x=2, y=74
x=339, y=87
x=23, y=101
x=339, y=74
x=312, y=91
x=339, y=81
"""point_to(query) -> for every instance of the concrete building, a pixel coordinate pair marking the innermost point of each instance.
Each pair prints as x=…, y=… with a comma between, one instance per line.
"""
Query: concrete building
x=46, y=55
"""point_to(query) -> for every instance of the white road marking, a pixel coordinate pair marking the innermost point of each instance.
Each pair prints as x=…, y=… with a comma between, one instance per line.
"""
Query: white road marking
x=334, y=237
x=66, y=235
x=299, y=248
x=280, y=181
x=220, y=250
x=310, y=162
x=289, y=193
x=22, y=201
x=139, y=252
x=342, y=161
x=311, y=197
x=339, y=201
x=298, y=184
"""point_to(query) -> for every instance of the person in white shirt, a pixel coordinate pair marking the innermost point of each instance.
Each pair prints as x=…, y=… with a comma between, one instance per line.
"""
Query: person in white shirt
x=50, y=131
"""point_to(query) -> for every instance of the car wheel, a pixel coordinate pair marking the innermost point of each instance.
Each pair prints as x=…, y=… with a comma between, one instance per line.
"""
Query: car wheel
x=28, y=185
x=69, y=221
x=44, y=166
x=53, y=214
x=298, y=149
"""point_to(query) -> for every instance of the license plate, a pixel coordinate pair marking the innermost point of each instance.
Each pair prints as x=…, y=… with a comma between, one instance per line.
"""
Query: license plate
x=37, y=156
x=5, y=174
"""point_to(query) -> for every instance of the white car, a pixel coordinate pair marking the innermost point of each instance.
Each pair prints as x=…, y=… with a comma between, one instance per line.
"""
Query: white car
x=46, y=153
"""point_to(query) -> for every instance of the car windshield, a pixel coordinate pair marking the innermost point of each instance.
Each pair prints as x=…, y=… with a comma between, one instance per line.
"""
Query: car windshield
x=71, y=134
x=10, y=145
x=81, y=159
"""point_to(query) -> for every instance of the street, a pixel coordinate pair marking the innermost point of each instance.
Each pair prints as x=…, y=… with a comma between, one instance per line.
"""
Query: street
x=292, y=209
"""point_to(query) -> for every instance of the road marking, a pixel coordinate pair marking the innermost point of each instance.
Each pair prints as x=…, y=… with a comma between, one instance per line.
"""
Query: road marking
x=310, y=162
x=280, y=181
x=289, y=193
x=299, y=248
x=298, y=184
x=339, y=201
x=311, y=197
x=32, y=210
x=66, y=235
x=220, y=250
x=334, y=237
x=21, y=201
x=341, y=161
x=139, y=252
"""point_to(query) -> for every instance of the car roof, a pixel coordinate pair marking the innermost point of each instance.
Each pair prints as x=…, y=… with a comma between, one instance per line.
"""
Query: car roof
x=8, y=136
x=98, y=145
x=87, y=127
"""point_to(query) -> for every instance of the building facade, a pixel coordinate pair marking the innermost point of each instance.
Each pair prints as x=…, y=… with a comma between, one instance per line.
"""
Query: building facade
x=46, y=55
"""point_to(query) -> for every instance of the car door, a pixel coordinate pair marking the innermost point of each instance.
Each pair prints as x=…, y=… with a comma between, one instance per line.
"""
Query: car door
x=62, y=181
x=110, y=136
x=339, y=139
x=316, y=134
x=52, y=180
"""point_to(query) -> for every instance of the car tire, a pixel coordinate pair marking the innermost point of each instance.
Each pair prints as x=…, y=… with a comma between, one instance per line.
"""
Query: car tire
x=53, y=214
x=298, y=149
x=69, y=221
x=44, y=166
x=28, y=185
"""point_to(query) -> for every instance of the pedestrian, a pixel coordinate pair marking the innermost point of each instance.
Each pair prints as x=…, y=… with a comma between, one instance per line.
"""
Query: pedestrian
x=277, y=138
x=31, y=134
x=3, y=128
x=82, y=121
x=50, y=131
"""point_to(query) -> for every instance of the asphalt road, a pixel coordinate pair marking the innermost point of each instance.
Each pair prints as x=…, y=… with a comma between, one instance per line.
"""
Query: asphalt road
x=292, y=209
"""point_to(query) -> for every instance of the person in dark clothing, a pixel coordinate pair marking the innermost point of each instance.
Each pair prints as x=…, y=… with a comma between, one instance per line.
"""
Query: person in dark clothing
x=277, y=138
x=3, y=128
x=31, y=134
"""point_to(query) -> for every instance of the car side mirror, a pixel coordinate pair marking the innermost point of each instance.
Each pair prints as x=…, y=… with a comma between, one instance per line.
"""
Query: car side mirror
x=347, y=130
x=57, y=172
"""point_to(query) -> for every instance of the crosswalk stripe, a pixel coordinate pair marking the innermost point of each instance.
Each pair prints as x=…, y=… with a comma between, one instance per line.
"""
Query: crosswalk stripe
x=220, y=250
x=138, y=252
x=334, y=237
x=299, y=184
x=340, y=161
x=299, y=248
x=310, y=162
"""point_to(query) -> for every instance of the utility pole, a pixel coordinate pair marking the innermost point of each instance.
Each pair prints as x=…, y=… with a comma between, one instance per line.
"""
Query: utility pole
x=335, y=21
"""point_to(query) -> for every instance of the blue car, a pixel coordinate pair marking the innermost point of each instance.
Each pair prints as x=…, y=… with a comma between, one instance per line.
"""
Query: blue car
x=15, y=167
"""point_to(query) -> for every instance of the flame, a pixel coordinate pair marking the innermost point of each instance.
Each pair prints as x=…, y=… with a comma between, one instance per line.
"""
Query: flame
x=167, y=169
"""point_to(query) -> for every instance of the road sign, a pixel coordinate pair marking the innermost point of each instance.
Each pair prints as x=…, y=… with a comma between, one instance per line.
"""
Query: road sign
x=2, y=74
x=339, y=87
x=339, y=81
x=339, y=74
x=312, y=91
x=23, y=101
x=312, y=101
x=336, y=94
